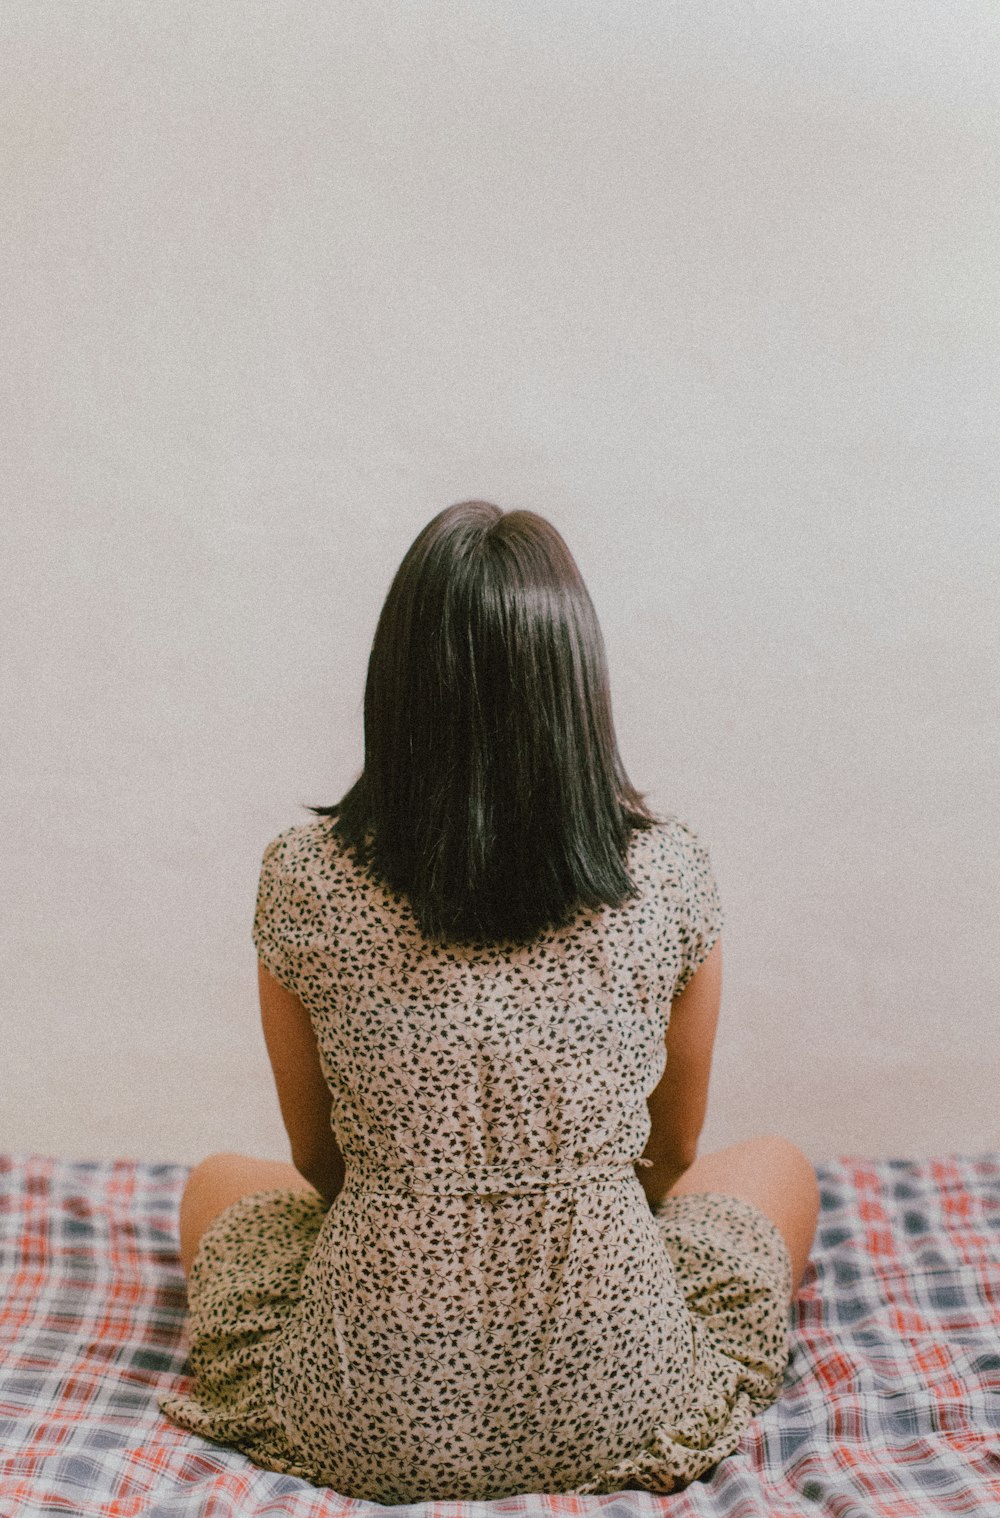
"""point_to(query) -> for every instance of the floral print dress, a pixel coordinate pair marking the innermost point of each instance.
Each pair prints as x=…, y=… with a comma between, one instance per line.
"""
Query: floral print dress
x=489, y=1306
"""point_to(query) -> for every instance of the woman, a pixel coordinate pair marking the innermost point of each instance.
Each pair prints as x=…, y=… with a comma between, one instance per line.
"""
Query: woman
x=489, y=983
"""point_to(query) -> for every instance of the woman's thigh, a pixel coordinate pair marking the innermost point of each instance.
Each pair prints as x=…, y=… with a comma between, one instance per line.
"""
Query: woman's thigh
x=775, y=1176
x=222, y=1179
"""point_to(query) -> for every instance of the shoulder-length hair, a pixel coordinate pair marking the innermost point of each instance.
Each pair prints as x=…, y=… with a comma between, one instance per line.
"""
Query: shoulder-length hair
x=493, y=795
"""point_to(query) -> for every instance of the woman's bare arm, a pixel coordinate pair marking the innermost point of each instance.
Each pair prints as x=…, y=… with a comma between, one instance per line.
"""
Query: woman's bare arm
x=678, y=1104
x=303, y=1094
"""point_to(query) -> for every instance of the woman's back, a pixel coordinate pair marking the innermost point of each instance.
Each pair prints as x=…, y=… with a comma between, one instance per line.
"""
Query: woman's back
x=468, y=966
x=488, y=1305
x=394, y=1011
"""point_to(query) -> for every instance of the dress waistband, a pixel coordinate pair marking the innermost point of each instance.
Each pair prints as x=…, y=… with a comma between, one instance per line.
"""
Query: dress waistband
x=485, y=1180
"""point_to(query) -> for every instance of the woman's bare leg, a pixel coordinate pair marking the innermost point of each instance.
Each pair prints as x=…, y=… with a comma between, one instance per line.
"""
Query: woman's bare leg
x=222, y=1179
x=772, y=1174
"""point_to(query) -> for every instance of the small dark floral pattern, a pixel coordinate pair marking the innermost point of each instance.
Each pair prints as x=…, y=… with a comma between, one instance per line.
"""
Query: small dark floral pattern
x=490, y=1306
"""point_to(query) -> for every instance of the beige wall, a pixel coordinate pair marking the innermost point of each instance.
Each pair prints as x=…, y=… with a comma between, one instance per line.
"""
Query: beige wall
x=714, y=287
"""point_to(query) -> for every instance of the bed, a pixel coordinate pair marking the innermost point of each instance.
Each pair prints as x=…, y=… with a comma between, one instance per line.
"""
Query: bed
x=891, y=1402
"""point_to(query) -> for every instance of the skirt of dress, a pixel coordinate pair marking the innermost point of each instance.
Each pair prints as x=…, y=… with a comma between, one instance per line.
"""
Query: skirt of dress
x=729, y=1258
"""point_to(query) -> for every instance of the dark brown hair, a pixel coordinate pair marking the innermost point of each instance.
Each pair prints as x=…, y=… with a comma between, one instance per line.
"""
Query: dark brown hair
x=492, y=796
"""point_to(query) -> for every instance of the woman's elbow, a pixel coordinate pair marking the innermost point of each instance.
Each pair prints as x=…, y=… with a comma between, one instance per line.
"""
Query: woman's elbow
x=324, y=1173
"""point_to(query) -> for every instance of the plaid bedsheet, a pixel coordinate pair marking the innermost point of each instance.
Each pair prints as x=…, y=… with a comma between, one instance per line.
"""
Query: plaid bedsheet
x=891, y=1404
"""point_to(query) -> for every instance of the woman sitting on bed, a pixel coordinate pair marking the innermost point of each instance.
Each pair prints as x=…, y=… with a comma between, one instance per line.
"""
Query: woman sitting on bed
x=489, y=982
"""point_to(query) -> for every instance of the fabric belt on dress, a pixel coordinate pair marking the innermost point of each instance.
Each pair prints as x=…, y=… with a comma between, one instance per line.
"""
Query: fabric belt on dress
x=485, y=1180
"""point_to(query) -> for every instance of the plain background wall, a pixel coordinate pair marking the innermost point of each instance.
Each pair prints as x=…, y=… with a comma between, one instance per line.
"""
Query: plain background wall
x=714, y=287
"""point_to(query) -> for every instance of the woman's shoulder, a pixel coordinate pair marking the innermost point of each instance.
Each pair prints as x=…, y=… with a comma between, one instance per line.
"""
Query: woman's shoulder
x=308, y=850
x=667, y=850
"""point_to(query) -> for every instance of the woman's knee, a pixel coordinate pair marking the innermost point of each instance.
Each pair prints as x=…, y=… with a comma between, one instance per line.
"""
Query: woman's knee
x=781, y=1156
x=225, y=1160
x=211, y=1186
x=769, y=1159
x=775, y=1175
x=791, y=1197
x=207, y=1173
x=789, y=1173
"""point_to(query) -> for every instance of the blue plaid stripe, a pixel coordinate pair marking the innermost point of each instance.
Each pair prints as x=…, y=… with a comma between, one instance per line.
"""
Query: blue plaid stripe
x=891, y=1403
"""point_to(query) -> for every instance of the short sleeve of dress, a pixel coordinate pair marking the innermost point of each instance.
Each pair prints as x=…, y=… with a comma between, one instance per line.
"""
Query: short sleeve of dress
x=276, y=916
x=701, y=918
